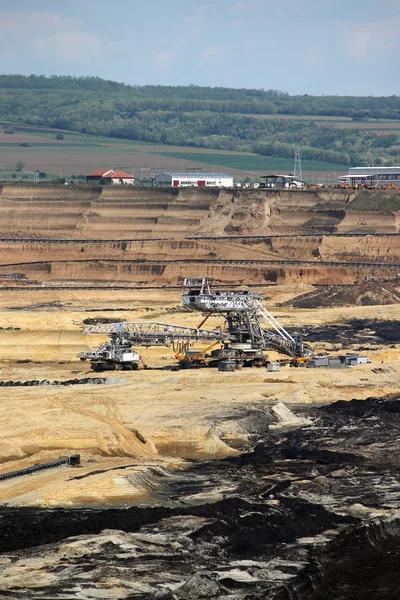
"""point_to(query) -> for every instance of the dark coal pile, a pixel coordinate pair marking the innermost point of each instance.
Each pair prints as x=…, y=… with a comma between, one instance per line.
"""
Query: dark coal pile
x=102, y=320
x=369, y=293
x=359, y=563
x=33, y=382
x=311, y=513
x=356, y=331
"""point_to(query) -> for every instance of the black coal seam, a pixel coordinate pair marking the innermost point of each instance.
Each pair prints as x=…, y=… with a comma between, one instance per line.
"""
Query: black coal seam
x=26, y=528
x=360, y=563
x=292, y=518
x=120, y=468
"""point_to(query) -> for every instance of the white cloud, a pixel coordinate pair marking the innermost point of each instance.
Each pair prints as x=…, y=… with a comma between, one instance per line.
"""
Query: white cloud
x=312, y=59
x=266, y=8
x=386, y=4
x=213, y=54
x=89, y=6
x=78, y=46
x=247, y=6
x=194, y=23
x=199, y=15
x=39, y=34
x=162, y=60
x=371, y=40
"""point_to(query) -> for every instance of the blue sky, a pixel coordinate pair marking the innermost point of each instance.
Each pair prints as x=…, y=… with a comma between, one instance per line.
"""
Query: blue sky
x=349, y=47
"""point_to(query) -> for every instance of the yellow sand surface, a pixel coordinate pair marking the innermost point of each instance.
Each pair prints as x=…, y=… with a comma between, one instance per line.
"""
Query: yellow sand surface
x=147, y=419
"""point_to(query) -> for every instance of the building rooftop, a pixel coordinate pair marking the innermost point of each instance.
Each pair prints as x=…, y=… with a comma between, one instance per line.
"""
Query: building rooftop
x=99, y=173
x=118, y=175
x=276, y=176
x=374, y=169
x=196, y=175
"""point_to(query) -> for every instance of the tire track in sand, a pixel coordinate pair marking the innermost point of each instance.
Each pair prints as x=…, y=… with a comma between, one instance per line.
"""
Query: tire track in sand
x=123, y=442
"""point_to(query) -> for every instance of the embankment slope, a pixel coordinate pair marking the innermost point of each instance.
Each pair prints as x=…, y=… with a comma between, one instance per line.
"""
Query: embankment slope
x=56, y=224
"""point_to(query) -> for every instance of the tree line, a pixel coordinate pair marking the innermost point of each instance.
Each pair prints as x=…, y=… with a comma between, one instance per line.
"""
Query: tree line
x=239, y=100
x=196, y=116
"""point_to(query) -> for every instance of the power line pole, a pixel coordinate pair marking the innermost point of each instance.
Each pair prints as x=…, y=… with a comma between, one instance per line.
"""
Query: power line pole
x=297, y=164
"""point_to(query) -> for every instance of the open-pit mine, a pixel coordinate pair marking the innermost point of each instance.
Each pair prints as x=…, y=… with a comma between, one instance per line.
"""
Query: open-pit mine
x=200, y=393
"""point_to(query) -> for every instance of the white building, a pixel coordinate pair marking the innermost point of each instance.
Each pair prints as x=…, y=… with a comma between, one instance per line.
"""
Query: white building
x=194, y=180
x=372, y=176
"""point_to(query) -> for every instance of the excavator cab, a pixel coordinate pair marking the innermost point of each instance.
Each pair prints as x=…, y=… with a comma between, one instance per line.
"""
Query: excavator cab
x=195, y=292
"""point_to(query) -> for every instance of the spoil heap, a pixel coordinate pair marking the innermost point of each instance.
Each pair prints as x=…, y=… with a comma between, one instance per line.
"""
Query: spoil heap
x=371, y=293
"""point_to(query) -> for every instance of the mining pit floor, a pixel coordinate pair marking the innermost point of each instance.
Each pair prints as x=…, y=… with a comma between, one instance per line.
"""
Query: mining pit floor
x=196, y=483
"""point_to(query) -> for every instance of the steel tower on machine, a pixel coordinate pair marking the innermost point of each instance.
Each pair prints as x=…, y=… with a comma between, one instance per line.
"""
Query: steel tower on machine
x=245, y=318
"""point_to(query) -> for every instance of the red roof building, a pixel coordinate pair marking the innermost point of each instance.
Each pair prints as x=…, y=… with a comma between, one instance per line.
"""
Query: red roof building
x=117, y=175
x=119, y=178
x=100, y=173
x=110, y=176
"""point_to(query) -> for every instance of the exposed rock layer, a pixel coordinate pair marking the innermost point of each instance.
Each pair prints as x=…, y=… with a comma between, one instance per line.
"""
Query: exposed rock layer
x=106, y=214
x=111, y=213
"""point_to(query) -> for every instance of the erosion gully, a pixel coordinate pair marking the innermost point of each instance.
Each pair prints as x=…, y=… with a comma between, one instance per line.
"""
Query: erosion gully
x=308, y=512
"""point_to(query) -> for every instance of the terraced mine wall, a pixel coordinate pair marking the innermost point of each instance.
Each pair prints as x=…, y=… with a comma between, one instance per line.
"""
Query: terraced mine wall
x=153, y=273
x=104, y=212
x=93, y=235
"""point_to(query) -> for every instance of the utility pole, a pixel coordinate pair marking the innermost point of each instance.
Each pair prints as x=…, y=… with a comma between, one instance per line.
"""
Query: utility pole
x=297, y=165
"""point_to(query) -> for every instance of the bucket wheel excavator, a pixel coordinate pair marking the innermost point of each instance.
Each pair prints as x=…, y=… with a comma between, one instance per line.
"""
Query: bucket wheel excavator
x=249, y=331
x=250, y=328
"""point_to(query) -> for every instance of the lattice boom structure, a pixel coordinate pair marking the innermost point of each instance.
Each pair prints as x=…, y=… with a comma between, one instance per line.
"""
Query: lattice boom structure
x=157, y=334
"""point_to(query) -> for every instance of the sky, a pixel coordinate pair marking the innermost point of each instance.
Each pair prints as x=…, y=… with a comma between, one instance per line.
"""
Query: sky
x=343, y=47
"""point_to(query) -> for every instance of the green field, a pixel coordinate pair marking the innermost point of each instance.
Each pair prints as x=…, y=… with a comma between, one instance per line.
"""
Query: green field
x=254, y=163
x=83, y=155
x=26, y=177
x=66, y=147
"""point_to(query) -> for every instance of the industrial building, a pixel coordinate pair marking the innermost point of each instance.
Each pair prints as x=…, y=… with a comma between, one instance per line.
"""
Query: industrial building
x=194, y=180
x=372, y=176
x=282, y=181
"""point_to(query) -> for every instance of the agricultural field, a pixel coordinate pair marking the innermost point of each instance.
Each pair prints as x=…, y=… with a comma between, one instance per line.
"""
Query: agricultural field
x=378, y=126
x=84, y=154
x=253, y=162
x=79, y=158
x=10, y=176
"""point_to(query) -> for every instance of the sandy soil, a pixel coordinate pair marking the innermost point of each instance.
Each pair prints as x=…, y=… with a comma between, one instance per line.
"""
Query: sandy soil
x=142, y=419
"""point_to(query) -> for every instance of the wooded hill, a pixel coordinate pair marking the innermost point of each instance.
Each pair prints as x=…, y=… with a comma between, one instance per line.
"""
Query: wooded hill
x=221, y=118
